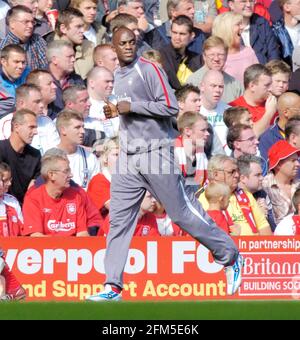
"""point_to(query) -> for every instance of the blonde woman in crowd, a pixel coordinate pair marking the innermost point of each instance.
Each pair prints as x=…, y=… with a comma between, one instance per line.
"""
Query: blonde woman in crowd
x=99, y=186
x=229, y=27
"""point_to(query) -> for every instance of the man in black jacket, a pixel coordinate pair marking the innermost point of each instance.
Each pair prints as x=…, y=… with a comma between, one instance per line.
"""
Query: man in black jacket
x=176, y=54
x=23, y=159
x=161, y=35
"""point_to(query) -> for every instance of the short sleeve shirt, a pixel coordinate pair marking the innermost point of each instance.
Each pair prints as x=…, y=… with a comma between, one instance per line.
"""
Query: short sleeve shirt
x=65, y=216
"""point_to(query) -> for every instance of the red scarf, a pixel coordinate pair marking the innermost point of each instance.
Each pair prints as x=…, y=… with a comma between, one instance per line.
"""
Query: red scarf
x=4, y=228
x=201, y=161
x=245, y=206
x=4, y=231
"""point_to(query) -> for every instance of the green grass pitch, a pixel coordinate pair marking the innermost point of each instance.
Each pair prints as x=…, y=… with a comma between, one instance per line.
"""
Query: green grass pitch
x=202, y=310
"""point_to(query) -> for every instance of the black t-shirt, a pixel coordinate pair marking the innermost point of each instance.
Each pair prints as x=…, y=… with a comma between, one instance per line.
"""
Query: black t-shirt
x=24, y=166
x=61, y=5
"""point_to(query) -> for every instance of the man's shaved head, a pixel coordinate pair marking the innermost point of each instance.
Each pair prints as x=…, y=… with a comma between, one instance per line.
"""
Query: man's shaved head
x=124, y=41
x=288, y=101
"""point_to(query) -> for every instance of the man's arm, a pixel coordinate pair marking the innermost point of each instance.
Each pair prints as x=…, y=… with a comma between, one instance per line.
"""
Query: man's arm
x=38, y=235
x=164, y=103
x=33, y=219
x=261, y=125
x=265, y=231
x=82, y=234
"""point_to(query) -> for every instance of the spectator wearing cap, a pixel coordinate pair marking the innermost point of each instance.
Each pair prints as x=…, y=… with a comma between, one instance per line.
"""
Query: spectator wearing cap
x=281, y=183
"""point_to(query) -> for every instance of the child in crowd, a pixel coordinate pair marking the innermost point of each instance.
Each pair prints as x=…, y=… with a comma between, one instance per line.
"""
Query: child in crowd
x=218, y=195
x=99, y=186
x=237, y=115
x=146, y=224
x=10, y=288
x=11, y=218
x=165, y=225
x=290, y=225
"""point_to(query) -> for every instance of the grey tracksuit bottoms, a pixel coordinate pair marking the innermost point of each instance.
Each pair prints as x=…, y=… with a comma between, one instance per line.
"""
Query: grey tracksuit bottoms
x=156, y=172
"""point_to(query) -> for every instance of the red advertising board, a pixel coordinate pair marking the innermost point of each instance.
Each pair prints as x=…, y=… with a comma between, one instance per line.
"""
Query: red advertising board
x=68, y=269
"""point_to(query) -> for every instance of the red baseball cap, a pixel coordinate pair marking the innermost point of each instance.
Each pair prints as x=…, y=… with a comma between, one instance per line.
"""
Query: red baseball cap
x=280, y=151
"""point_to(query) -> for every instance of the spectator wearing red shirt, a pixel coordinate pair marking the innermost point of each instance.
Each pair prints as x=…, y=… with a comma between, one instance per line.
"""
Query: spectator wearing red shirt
x=55, y=208
x=257, y=98
x=11, y=218
x=146, y=225
x=10, y=288
x=218, y=196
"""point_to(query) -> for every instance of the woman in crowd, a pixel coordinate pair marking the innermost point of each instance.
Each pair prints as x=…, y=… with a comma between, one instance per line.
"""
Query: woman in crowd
x=228, y=26
x=99, y=186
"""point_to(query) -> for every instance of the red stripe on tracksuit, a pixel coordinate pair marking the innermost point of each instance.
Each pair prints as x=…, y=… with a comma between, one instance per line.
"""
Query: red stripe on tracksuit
x=160, y=78
x=3, y=95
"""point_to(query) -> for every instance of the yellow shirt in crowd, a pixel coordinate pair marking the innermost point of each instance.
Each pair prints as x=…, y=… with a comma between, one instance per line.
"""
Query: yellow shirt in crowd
x=237, y=215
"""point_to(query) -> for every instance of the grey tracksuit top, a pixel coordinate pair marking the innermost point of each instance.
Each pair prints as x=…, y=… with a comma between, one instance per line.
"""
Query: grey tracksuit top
x=153, y=107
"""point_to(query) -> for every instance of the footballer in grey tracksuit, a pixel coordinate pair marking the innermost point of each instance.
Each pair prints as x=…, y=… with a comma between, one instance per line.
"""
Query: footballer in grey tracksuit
x=146, y=162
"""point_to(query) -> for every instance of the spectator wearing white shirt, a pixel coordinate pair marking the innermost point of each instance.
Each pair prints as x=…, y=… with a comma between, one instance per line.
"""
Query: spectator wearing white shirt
x=76, y=98
x=212, y=88
x=29, y=97
x=100, y=82
x=84, y=164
